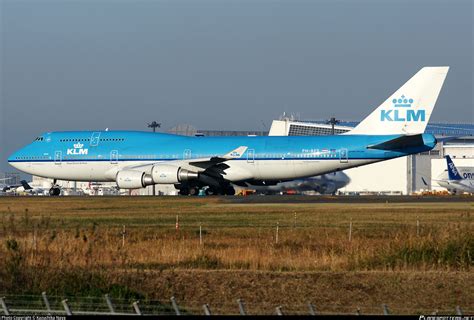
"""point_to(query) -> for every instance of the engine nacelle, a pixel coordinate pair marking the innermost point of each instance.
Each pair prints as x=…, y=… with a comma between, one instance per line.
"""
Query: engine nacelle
x=326, y=188
x=169, y=174
x=131, y=179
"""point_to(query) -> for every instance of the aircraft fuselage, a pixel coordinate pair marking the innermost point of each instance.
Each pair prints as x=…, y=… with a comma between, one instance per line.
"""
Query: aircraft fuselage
x=99, y=156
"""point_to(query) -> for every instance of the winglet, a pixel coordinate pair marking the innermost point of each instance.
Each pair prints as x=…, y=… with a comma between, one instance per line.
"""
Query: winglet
x=236, y=153
x=453, y=172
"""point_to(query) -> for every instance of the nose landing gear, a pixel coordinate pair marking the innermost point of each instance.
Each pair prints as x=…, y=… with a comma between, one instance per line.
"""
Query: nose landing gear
x=54, y=192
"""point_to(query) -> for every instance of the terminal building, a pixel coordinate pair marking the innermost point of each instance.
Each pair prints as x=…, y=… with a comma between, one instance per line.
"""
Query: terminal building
x=10, y=178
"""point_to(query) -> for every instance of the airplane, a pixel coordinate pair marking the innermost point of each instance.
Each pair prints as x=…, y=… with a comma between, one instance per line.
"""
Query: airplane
x=324, y=184
x=27, y=188
x=454, y=181
x=135, y=159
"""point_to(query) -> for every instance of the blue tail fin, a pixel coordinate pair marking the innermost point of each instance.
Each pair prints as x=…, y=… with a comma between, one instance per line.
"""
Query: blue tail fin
x=25, y=185
x=453, y=172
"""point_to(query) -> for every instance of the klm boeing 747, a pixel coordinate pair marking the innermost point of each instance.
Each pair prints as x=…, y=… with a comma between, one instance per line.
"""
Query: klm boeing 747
x=137, y=159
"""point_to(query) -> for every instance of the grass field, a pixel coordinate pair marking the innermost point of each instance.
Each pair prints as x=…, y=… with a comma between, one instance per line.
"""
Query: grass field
x=415, y=257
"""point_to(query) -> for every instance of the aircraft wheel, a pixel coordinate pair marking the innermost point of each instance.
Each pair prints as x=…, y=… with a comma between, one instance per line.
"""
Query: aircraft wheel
x=194, y=191
x=184, y=191
x=54, y=192
x=210, y=192
x=230, y=191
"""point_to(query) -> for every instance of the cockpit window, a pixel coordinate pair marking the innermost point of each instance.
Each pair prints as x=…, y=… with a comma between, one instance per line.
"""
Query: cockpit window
x=39, y=139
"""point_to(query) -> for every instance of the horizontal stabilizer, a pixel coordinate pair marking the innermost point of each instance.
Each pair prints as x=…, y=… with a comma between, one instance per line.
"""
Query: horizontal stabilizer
x=401, y=142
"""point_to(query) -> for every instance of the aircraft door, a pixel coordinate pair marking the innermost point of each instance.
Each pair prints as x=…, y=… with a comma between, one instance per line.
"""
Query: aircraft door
x=58, y=157
x=343, y=157
x=187, y=154
x=95, y=139
x=114, y=156
x=250, y=155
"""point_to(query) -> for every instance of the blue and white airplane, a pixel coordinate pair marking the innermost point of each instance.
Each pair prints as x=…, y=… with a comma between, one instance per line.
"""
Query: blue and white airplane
x=137, y=159
x=455, y=182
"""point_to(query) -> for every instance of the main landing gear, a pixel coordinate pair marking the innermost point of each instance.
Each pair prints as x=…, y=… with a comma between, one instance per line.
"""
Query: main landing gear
x=194, y=191
x=55, y=190
x=189, y=191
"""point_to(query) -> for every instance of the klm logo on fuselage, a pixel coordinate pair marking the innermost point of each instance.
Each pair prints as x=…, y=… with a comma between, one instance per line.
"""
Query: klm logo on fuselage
x=77, y=150
x=402, y=111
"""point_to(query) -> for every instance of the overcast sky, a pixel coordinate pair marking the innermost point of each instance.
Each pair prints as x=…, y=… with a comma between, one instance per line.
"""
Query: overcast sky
x=95, y=64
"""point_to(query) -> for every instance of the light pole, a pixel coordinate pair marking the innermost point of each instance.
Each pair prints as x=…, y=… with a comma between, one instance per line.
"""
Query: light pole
x=333, y=121
x=154, y=125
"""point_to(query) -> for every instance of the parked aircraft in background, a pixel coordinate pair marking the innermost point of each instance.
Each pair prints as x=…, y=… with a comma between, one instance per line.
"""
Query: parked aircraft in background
x=457, y=180
x=30, y=188
x=137, y=159
x=324, y=184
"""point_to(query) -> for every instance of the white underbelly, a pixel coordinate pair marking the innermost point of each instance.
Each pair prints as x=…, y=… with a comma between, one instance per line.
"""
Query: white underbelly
x=294, y=169
x=76, y=170
x=239, y=170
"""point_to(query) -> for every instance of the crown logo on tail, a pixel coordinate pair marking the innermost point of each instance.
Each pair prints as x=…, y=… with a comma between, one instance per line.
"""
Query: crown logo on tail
x=402, y=102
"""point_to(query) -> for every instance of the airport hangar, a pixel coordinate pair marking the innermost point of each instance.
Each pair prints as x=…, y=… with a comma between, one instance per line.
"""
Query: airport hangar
x=404, y=175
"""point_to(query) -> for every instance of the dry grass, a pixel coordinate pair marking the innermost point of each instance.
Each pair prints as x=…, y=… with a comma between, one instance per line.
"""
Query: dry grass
x=81, y=238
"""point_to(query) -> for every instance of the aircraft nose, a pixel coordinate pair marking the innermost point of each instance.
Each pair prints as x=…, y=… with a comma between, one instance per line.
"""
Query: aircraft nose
x=15, y=158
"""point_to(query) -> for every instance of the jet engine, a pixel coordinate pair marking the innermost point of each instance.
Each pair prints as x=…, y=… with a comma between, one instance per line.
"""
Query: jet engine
x=169, y=174
x=132, y=179
x=326, y=188
x=160, y=174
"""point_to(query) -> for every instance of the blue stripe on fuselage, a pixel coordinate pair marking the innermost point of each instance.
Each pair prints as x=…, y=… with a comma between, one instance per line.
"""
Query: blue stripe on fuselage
x=146, y=146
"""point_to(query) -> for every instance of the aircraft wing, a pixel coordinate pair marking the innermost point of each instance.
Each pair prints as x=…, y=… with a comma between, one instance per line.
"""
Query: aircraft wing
x=209, y=162
x=202, y=164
